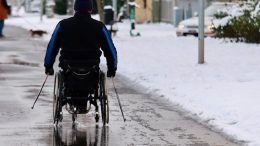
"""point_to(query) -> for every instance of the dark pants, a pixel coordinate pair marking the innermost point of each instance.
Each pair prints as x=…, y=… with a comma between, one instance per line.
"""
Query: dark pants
x=1, y=28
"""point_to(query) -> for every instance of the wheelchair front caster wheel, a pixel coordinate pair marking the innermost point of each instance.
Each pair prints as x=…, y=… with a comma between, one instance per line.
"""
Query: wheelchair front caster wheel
x=97, y=117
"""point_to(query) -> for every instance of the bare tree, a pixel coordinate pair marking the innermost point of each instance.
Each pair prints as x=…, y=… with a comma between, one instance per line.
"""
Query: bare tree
x=100, y=6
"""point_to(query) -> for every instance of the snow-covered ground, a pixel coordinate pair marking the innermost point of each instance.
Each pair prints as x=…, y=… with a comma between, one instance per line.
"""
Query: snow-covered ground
x=224, y=91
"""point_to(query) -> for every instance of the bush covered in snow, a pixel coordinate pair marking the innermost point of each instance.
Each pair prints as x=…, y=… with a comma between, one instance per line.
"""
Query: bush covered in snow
x=239, y=23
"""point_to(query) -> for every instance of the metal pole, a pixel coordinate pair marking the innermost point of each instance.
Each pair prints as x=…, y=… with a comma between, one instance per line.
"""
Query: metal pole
x=160, y=10
x=41, y=11
x=115, y=9
x=201, y=32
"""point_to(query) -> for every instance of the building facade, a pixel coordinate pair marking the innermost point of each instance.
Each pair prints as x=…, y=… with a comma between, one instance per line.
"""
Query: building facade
x=164, y=10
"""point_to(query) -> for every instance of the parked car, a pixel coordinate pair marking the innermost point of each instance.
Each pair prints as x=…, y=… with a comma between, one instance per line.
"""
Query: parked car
x=190, y=26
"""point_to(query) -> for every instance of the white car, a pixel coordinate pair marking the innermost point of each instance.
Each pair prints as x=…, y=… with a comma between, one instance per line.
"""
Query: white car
x=190, y=26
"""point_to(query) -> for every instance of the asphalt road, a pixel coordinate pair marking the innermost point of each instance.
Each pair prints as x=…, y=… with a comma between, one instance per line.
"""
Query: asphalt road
x=151, y=119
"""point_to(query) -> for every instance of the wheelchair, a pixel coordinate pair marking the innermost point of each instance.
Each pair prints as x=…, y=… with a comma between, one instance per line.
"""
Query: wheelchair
x=78, y=88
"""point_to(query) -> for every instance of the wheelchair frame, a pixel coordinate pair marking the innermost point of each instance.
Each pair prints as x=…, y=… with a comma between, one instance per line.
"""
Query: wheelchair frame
x=100, y=94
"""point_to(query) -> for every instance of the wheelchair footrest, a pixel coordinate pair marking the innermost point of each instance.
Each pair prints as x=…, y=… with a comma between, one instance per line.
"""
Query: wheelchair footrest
x=77, y=101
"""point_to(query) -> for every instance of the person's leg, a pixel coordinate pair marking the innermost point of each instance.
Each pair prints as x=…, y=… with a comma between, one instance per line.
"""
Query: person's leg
x=1, y=28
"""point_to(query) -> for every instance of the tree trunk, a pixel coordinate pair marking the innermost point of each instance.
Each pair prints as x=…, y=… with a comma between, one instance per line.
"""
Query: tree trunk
x=100, y=6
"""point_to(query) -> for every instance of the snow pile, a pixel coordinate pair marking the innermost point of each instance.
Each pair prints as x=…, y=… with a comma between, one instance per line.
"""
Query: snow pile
x=224, y=91
x=255, y=12
x=18, y=11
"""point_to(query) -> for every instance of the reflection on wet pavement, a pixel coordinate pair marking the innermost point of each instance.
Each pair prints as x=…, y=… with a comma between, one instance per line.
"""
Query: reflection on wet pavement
x=90, y=136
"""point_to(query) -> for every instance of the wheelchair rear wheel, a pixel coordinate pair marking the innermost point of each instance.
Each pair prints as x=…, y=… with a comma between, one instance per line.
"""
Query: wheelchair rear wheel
x=104, y=99
x=57, y=104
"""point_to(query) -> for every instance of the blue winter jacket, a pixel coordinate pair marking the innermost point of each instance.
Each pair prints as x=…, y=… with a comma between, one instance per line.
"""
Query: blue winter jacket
x=80, y=39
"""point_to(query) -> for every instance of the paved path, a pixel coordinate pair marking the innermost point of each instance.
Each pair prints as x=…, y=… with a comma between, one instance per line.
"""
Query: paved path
x=151, y=120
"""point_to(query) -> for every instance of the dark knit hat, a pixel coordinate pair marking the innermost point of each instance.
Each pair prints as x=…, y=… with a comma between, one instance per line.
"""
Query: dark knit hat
x=83, y=5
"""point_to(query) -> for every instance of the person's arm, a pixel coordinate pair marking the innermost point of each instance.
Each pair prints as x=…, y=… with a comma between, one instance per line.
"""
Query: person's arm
x=53, y=48
x=109, y=50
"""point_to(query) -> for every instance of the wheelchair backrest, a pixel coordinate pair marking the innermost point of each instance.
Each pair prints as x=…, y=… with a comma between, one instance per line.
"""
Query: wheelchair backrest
x=80, y=79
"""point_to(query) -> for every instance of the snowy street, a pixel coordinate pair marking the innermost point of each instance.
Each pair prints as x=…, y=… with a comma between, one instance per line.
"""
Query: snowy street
x=151, y=119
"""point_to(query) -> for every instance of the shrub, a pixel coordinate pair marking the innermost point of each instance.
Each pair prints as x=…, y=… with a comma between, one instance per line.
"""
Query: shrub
x=243, y=26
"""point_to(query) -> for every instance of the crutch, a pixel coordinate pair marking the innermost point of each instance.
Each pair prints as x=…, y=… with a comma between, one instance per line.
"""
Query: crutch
x=40, y=91
x=118, y=100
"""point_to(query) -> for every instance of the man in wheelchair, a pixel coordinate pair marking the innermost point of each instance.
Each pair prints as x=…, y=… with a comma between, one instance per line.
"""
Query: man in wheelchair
x=80, y=41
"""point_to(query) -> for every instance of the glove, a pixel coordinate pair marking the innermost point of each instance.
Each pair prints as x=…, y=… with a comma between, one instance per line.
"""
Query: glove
x=49, y=71
x=111, y=73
